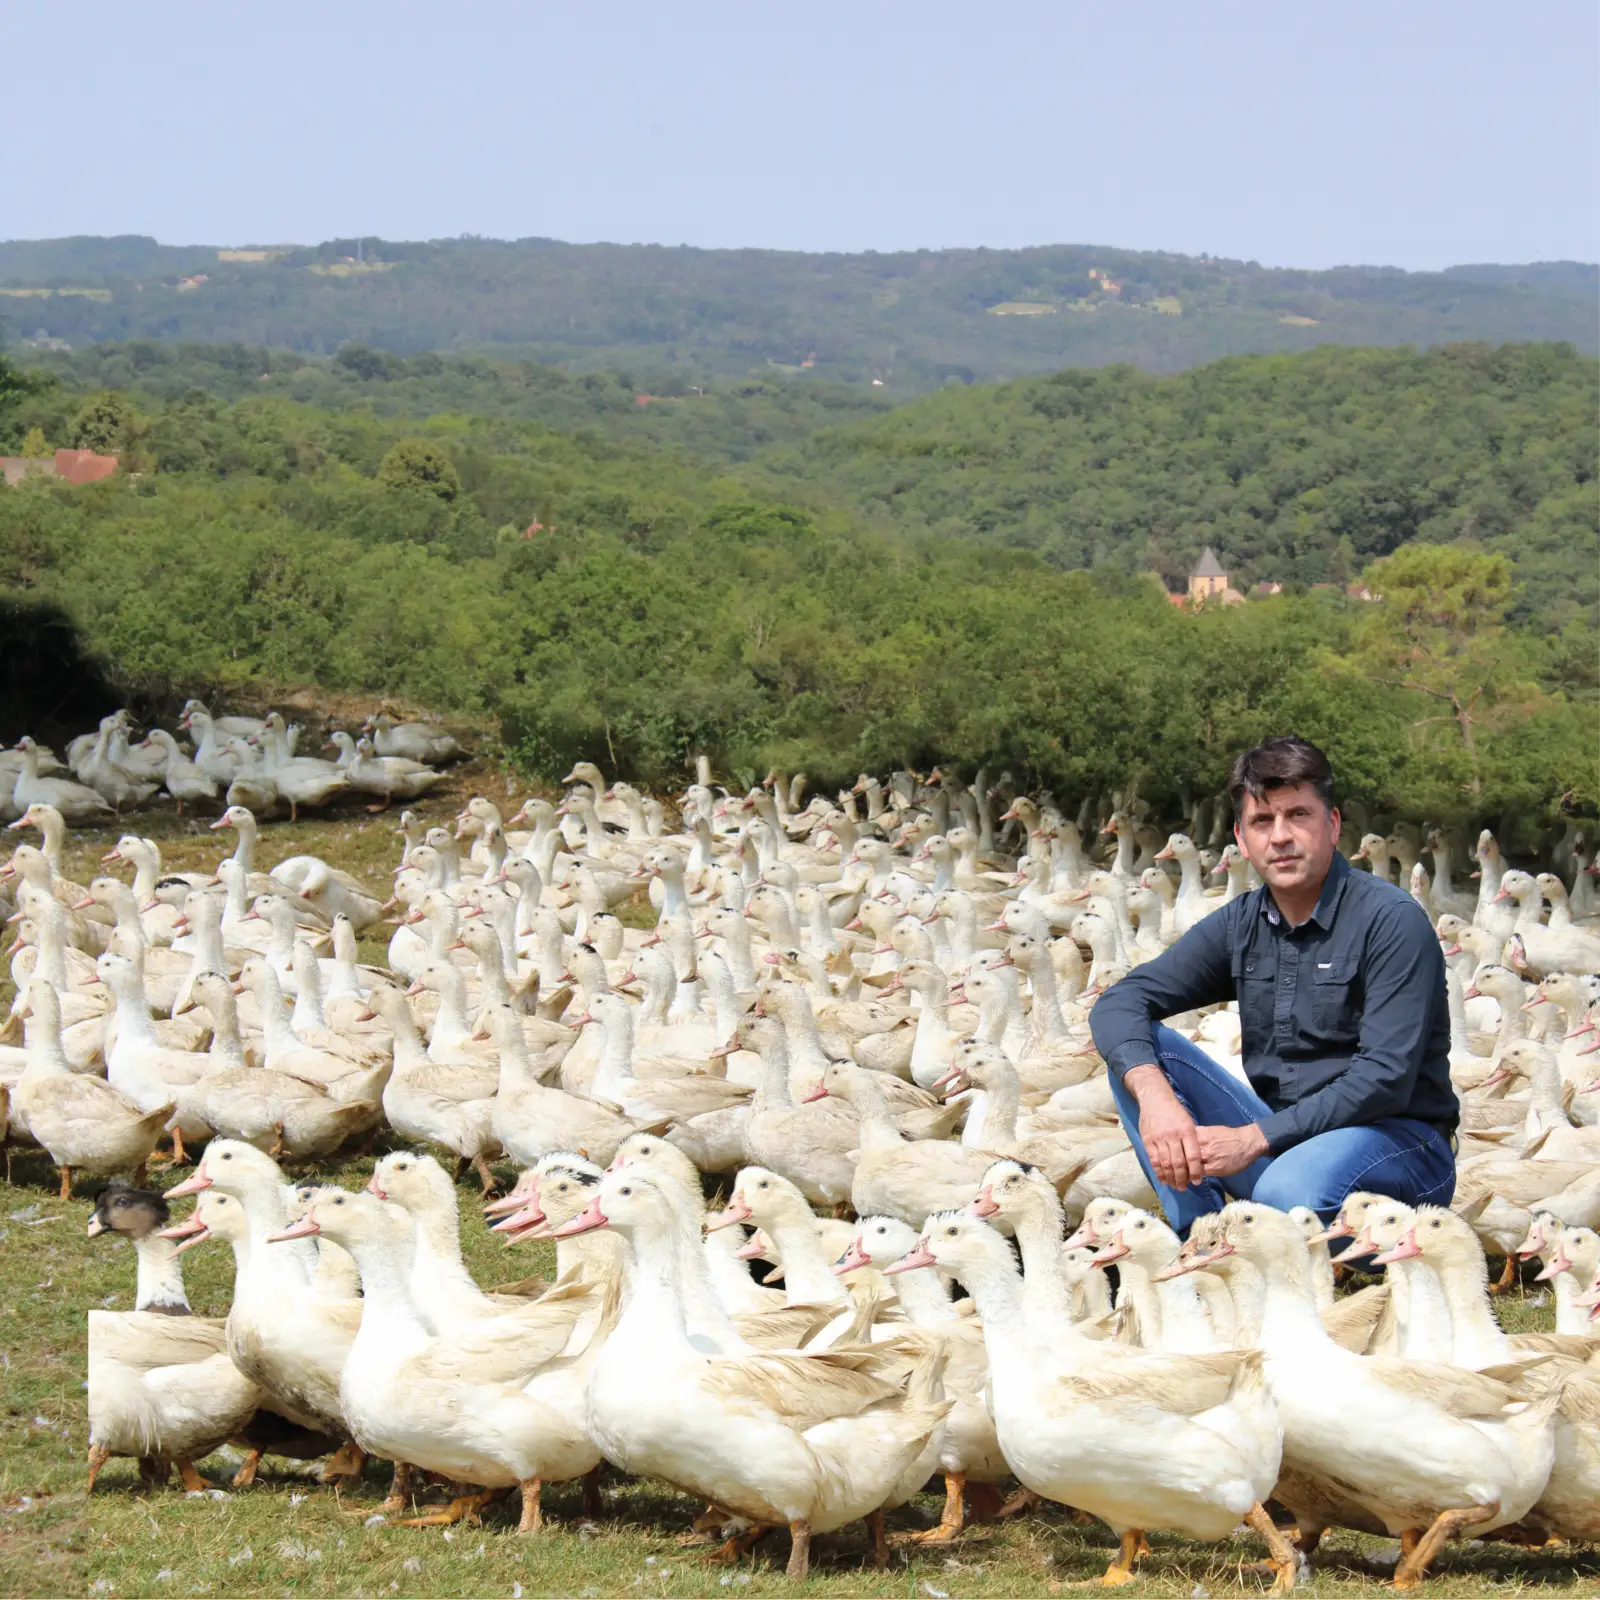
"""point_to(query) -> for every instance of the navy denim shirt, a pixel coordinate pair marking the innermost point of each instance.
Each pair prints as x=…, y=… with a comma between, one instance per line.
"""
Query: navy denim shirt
x=1345, y=1018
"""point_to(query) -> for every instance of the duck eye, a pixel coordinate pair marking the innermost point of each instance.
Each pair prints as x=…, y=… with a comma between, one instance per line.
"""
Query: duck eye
x=625, y=1190
x=951, y=1232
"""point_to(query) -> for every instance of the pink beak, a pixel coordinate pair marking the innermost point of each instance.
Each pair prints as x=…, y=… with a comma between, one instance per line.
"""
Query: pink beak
x=196, y=1183
x=305, y=1228
x=589, y=1218
x=918, y=1256
x=1406, y=1250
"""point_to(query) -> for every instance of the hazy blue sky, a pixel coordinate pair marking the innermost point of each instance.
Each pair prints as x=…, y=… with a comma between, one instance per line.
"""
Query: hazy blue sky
x=1412, y=132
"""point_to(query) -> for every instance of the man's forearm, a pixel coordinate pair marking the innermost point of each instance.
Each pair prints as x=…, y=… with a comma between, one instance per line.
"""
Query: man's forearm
x=1149, y=1080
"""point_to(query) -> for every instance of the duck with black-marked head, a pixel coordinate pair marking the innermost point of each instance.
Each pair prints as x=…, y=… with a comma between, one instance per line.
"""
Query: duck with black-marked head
x=162, y=1387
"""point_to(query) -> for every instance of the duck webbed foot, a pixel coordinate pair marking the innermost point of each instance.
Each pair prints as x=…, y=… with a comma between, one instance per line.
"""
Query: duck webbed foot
x=1282, y=1558
x=1414, y=1562
x=347, y=1461
x=953, y=1519
x=465, y=1508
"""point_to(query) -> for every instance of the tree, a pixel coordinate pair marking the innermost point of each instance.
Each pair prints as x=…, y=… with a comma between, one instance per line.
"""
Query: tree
x=1437, y=631
x=104, y=423
x=420, y=465
x=33, y=444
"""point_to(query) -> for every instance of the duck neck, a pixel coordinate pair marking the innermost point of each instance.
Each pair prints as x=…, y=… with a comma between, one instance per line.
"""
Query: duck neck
x=807, y=1277
x=277, y=1035
x=160, y=1281
x=46, y=1053
x=409, y=1051
x=1248, y=1291
x=616, y=1057
x=227, y=1049
x=999, y=1101
x=1455, y=994
x=1570, y=1316
x=272, y=1271
x=925, y=1299
x=1425, y=1330
x=244, y=850
x=659, y=985
x=134, y=1025
x=436, y=1256
x=1477, y=1338
x=450, y=1027
x=1045, y=1289
x=655, y=1308
x=1289, y=1319
x=878, y=1130
x=1048, y=1021
x=388, y=1311
x=772, y=1086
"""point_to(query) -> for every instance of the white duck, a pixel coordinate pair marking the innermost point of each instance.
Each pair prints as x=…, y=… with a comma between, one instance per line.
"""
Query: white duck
x=807, y=1442
x=1420, y=1449
x=454, y=1407
x=1141, y=1441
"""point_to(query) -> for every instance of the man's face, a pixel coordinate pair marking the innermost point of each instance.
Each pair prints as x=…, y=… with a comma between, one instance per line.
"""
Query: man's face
x=1289, y=836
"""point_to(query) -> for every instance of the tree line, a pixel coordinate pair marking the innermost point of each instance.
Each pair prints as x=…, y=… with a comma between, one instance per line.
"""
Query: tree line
x=595, y=599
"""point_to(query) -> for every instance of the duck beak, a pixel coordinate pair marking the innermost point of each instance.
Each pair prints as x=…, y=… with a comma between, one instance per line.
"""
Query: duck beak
x=918, y=1256
x=1110, y=1253
x=305, y=1228
x=819, y=1093
x=737, y=1211
x=375, y=1186
x=984, y=1205
x=196, y=1183
x=191, y=1231
x=852, y=1260
x=589, y=1218
x=754, y=1248
x=1406, y=1250
x=1558, y=1263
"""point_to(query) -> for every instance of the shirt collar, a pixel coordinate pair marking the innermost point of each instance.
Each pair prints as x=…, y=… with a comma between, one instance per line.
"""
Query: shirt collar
x=1327, y=902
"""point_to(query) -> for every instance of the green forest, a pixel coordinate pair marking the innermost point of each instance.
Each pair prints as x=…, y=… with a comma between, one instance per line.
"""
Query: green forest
x=911, y=320
x=839, y=602
x=1296, y=469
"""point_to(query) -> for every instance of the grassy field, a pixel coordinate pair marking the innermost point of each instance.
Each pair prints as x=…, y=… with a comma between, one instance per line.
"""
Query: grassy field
x=289, y=1536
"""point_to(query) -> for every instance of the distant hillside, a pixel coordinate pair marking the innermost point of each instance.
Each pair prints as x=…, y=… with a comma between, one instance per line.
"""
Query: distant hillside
x=1296, y=469
x=720, y=418
x=910, y=320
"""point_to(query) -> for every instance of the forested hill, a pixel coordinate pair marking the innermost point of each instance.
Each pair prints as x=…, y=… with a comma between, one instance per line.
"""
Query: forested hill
x=1299, y=469
x=911, y=320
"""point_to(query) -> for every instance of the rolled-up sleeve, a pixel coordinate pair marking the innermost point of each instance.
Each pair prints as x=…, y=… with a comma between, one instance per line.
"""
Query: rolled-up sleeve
x=1196, y=971
x=1403, y=968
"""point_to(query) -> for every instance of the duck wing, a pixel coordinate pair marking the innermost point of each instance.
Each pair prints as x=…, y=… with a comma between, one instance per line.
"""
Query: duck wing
x=1458, y=1391
x=800, y=1390
x=1182, y=1385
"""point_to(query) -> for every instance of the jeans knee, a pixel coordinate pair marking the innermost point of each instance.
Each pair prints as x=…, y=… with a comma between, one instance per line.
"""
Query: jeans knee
x=1283, y=1191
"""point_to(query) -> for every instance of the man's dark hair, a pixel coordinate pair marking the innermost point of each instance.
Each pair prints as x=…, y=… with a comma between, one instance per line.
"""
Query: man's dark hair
x=1278, y=763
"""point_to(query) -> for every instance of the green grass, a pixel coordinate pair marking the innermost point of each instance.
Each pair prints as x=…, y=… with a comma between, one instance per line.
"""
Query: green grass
x=289, y=1536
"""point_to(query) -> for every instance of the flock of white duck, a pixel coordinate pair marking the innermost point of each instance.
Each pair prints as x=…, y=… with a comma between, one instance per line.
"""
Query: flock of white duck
x=873, y=1008
x=244, y=761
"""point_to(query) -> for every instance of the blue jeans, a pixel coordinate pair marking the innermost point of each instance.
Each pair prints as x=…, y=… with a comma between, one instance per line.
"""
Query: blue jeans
x=1405, y=1160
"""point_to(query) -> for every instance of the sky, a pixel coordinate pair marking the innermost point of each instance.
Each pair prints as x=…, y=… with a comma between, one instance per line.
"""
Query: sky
x=1414, y=133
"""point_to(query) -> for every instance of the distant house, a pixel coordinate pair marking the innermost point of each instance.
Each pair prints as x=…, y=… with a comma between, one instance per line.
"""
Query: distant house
x=1266, y=587
x=1209, y=581
x=71, y=466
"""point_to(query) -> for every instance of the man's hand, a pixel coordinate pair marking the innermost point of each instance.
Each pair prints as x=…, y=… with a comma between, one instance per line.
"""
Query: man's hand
x=1167, y=1131
x=1225, y=1151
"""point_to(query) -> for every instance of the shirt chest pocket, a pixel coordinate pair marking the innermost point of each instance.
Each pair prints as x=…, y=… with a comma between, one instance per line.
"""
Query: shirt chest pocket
x=1336, y=997
x=1254, y=985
